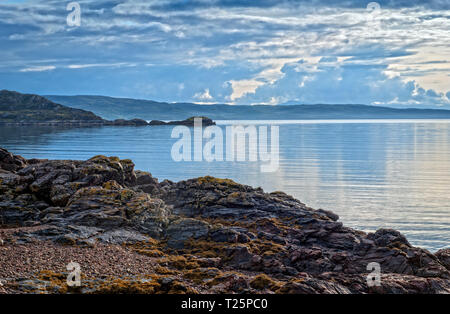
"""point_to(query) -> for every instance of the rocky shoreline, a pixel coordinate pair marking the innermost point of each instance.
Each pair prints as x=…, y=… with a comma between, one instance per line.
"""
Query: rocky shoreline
x=188, y=122
x=133, y=234
x=119, y=122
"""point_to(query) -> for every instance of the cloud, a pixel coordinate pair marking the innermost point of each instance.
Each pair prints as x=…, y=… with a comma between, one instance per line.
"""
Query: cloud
x=109, y=65
x=344, y=83
x=205, y=95
x=240, y=51
x=39, y=68
x=243, y=87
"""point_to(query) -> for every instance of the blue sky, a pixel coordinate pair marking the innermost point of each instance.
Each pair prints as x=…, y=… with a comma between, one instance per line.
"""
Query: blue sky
x=394, y=53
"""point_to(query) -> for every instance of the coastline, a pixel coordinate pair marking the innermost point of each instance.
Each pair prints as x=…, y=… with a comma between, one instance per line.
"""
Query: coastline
x=119, y=122
x=203, y=235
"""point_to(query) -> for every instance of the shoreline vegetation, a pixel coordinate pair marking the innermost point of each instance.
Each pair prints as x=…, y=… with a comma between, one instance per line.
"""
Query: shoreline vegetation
x=18, y=109
x=131, y=233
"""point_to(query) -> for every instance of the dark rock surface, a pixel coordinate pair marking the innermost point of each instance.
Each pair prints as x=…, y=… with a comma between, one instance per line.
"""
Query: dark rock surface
x=213, y=234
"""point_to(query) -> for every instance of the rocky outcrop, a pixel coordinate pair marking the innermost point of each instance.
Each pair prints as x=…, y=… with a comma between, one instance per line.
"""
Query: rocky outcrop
x=139, y=122
x=10, y=162
x=188, y=122
x=123, y=122
x=444, y=257
x=206, y=234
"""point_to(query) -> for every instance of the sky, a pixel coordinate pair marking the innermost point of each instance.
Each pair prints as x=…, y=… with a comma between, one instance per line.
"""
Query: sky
x=247, y=52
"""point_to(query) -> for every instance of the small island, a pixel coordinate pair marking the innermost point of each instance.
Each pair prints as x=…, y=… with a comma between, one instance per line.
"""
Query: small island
x=188, y=122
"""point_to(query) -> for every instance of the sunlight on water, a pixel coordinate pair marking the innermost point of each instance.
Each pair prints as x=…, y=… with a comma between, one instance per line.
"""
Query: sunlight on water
x=374, y=174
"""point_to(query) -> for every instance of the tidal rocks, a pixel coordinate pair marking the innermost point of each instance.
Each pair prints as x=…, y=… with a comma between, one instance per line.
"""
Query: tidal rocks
x=207, y=234
x=90, y=193
x=188, y=122
x=139, y=122
x=123, y=122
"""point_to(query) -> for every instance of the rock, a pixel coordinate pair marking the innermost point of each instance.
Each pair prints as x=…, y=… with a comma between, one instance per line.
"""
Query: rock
x=146, y=183
x=185, y=229
x=242, y=258
x=385, y=237
x=111, y=209
x=267, y=242
x=314, y=286
x=143, y=178
x=10, y=162
x=224, y=235
x=122, y=236
x=444, y=257
x=209, y=262
x=329, y=214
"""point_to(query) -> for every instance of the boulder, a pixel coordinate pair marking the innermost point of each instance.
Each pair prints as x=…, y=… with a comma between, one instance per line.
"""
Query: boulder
x=10, y=162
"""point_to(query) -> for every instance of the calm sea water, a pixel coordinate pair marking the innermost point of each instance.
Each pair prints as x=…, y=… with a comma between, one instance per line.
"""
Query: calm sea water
x=374, y=174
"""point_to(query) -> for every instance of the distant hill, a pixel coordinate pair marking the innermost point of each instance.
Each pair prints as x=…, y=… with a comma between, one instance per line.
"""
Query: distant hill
x=27, y=108
x=125, y=108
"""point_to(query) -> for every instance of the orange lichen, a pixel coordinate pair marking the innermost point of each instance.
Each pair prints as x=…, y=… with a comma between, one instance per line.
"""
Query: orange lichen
x=263, y=281
x=57, y=281
x=164, y=270
x=121, y=286
x=151, y=253
x=181, y=262
x=200, y=275
x=212, y=180
x=112, y=185
x=206, y=248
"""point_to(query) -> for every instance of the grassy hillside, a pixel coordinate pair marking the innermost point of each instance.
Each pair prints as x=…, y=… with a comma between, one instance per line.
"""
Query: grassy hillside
x=26, y=108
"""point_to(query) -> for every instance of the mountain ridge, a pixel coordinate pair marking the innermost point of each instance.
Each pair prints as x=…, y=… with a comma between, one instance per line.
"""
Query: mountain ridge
x=128, y=108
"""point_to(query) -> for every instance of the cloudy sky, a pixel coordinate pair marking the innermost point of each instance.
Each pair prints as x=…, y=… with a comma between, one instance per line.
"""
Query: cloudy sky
x=394, y=53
